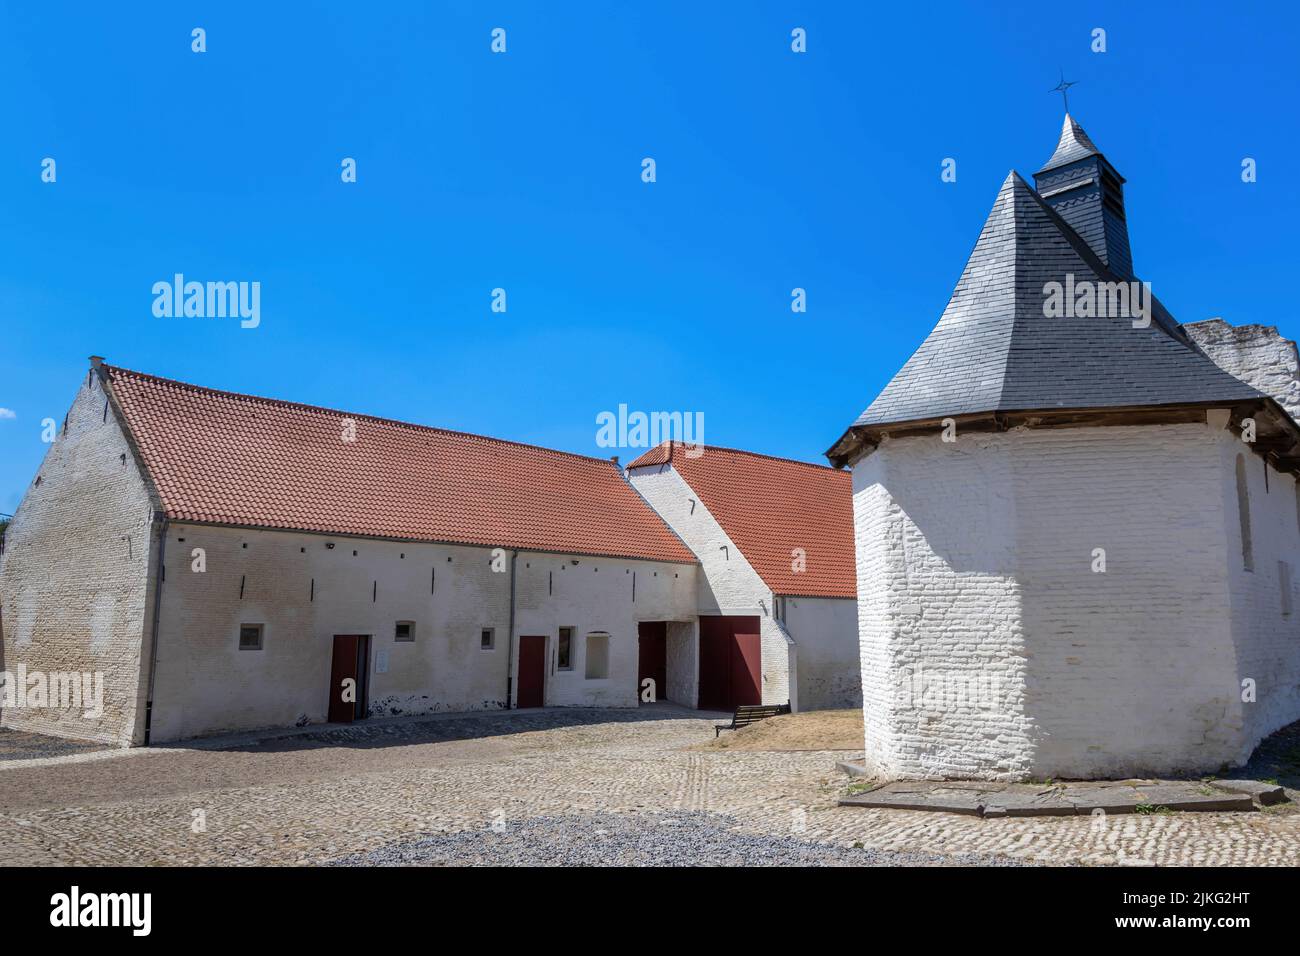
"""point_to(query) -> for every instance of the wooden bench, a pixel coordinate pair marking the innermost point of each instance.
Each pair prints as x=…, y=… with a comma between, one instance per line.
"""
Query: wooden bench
x=747, y=714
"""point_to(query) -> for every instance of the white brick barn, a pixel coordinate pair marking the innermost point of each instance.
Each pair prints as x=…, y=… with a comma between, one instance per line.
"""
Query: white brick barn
x=777, y=595
x=228, y=562
x=1070, y=564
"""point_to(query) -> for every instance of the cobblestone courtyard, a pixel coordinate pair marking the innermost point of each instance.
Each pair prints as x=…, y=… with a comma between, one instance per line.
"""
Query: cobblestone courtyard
x=336, y=794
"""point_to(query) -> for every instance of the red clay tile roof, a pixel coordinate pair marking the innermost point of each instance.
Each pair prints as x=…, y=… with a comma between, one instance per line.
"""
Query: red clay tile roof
x=770, y=506
x=218, y=457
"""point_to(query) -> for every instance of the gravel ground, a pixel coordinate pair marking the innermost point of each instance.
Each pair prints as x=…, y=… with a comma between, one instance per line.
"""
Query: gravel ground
x=17, y=745
x=430, y=789
x=688, y=838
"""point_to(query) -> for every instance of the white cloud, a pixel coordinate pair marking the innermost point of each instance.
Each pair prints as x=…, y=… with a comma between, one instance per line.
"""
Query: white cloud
x=7, y=413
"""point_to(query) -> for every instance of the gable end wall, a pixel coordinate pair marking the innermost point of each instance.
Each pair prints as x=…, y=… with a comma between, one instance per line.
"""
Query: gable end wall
x=76, y=575
x=728, y=583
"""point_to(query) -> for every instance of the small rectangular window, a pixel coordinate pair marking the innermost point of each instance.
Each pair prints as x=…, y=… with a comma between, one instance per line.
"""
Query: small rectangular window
x=487, y=639
x=405, y=632
x=597, y=656
x=250, y=637
x=1284, y=583
x=564, y=650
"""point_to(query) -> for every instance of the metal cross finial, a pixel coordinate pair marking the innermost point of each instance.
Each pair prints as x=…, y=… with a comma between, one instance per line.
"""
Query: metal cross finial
x=1064, y=89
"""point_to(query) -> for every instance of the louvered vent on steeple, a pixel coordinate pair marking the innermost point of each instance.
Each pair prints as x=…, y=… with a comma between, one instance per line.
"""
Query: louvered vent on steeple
x=1088, y=193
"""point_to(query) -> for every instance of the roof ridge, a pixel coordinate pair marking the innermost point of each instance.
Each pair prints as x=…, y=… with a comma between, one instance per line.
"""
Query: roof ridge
x=1104, y=271
x=1017, y=182
x=284, y=403
x=742, y=451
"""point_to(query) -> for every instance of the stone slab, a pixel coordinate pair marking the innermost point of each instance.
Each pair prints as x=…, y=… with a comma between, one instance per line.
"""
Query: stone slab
x=1264, y=794
x=916, y=799
x=1065, y=799
x=1188, y=796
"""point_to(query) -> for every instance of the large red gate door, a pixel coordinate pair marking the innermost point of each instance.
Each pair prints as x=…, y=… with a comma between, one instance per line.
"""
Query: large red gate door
x=730, y=662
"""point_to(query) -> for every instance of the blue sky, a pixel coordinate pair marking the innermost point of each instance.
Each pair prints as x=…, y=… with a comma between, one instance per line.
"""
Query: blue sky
x=523, y=171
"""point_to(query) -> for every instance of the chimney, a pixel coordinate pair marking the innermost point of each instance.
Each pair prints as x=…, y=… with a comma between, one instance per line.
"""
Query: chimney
x=1088, y=193
x=614, y=459
x=96, y=361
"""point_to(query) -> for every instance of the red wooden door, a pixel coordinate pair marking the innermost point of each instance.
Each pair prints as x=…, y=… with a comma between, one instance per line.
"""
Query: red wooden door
x=746, y=668
x=652, y=658
x=715, y=665
x=351, y=654
x=532, y=672
x=730, y=662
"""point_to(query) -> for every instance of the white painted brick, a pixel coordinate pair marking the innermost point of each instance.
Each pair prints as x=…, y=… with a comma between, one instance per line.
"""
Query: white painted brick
x=76, y=572
x=1133, y=671
x=205, y=684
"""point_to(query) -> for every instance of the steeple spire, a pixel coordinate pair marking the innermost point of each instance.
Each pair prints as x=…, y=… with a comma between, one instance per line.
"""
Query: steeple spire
x=1073, y=146
x=1088, y=193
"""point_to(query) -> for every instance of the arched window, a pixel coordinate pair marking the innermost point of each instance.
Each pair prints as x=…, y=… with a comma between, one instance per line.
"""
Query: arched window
x=1243, y=514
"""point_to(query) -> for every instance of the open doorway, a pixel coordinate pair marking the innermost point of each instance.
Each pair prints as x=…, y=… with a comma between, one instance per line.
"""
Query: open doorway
x=652, y=661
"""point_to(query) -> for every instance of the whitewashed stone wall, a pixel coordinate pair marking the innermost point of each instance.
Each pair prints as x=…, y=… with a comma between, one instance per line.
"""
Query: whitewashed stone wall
x=991, y=649
x=75, y=577
x=684, y=663
x=1265, y=639
x=825, y=631
x=599, y=595
x=938, y=601
x=304, y=593
x=1256, y=354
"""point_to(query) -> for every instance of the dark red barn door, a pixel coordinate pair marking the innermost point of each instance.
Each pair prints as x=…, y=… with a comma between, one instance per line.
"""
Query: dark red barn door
x=351, y=657
x=532, y=672
x=730, y=662
x=746, y=666
x=652, y=658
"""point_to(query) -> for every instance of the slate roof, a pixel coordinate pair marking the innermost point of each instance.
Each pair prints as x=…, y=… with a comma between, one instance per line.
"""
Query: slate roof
x=770, y=506
x=994, y=350
x=1074, y=145
x=224, y=458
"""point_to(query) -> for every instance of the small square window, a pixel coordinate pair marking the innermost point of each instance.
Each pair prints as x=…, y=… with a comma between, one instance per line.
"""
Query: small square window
x=487, y=639
x=404, y=632
x=564, y=650
x=250, y=637
x=597, y=656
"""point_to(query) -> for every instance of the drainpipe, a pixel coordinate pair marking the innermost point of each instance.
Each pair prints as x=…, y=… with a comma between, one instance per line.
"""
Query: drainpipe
x=510, y=640
x=157, y=606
